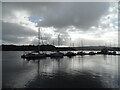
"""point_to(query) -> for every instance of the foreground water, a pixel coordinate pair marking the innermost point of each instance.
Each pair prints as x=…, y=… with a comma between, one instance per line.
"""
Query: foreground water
x=79, y=71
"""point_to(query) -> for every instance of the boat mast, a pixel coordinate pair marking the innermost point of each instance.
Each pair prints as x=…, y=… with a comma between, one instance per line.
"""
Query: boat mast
x=70, y=42
x=39, y=39
x=53, y=42
x=110, y=45
x=42, y=40
x=58, y=39
x=82, y=44
x=73, y=44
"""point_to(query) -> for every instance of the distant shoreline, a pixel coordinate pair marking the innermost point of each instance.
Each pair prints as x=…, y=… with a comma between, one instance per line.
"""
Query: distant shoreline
x=53, y=48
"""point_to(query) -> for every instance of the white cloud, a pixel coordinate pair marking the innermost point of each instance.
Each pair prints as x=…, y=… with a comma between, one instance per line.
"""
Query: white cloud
x=94, y=23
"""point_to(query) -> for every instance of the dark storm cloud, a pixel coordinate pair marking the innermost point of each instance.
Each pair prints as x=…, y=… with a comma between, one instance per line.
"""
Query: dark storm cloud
x=62, y=14
x=82, y=15
x=15, y=33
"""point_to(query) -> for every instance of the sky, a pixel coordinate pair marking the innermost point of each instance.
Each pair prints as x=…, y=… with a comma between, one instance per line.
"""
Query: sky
x=93, y=23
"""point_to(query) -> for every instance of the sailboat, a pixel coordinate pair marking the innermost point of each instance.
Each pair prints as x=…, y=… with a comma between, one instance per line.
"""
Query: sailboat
x=69, y=53
x=112, y=52
x=35, y=54
x=57, y=53
x=81, y=53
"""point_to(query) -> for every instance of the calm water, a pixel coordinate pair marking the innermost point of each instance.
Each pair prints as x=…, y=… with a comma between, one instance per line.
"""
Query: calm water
x=78, y=71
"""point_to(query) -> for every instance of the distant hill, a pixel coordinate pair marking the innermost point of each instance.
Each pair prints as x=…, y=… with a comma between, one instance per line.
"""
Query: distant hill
x=28, y=48
x=53, y=48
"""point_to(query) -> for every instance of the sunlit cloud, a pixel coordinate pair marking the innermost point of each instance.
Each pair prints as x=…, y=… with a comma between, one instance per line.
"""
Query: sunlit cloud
x=83, y=26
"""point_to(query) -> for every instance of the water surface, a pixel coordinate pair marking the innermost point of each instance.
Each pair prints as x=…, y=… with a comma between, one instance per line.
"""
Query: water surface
x=99, y=71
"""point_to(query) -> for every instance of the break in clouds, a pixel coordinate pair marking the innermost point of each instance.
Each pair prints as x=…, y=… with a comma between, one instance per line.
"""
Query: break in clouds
x=93, y=22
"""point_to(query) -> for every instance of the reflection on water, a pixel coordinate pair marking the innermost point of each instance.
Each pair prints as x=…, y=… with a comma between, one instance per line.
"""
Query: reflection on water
x=78, y=71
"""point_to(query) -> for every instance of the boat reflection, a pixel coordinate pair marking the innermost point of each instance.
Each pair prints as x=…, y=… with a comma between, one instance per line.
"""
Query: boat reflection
x=60, y=73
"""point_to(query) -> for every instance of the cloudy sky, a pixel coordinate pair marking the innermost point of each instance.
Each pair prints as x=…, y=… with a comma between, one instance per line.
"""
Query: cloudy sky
x=93, y=23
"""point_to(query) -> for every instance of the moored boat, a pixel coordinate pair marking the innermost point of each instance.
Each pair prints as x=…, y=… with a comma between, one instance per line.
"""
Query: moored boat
x=70, y=54
x=81, y=53
x=91, y=53
x=57, y=54
x=35, y=54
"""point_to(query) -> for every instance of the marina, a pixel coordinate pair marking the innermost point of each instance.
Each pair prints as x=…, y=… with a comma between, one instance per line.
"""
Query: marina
x=39, y=54
x=69, y=54
x=60, y=45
